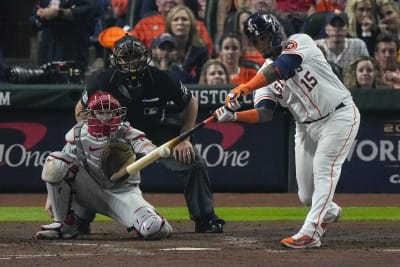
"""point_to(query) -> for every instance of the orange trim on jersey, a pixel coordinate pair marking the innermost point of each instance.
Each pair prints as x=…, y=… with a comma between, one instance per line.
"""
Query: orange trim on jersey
x=331, y=190
x=249, y=116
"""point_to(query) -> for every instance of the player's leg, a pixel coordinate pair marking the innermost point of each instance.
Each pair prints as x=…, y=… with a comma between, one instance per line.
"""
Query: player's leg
x=83, y=218
x=126, y=206
x=59, y=172
x=198, y=193
x=305, y=148
x=335, y=141
x=304, y=153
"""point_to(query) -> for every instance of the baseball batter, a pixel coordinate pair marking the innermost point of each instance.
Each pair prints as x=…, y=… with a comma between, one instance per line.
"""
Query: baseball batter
x=327, y=119
x=80, y=174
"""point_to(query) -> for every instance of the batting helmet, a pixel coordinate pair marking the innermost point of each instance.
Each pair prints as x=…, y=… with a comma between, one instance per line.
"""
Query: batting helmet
x=130, y=55
x=259, y=23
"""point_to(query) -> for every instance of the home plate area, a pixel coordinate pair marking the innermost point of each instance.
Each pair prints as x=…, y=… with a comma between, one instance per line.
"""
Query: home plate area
x=242, y=244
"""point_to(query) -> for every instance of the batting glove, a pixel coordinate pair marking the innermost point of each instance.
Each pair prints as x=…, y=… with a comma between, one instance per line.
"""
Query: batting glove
x=233, y=101
x=224, y=114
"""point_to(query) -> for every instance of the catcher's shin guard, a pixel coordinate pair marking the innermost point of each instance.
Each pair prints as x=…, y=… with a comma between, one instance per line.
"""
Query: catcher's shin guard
x=150, y=224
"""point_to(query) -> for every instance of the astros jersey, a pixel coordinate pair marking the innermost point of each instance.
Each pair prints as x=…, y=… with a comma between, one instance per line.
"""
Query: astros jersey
x=312, y=90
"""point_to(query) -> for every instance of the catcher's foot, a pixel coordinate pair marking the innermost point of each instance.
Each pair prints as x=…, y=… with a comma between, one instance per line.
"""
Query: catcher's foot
x=213, y=226
x=57, y=230
x=301, y=241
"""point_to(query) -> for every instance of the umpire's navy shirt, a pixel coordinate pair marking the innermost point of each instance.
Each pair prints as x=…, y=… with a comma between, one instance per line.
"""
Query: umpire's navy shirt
x=147, y=102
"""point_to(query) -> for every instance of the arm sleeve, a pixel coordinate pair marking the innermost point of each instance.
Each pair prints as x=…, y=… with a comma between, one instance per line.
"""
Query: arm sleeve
x=267, y=103
x=287, y=64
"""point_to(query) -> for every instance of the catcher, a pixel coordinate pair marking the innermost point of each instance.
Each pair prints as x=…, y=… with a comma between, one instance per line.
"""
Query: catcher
x=79, y=175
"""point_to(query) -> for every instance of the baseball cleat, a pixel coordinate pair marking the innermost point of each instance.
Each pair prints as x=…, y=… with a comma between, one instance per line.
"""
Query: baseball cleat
x=325, y=224
x=210, y=226
x=83, y=226
x=303, y=241
x=57, y=230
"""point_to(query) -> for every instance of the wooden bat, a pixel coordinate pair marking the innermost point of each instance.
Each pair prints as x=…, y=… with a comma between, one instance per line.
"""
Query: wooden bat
x=158, y=152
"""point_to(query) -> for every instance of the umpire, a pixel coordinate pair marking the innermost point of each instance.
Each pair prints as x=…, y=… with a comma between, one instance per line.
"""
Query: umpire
x=145, y=91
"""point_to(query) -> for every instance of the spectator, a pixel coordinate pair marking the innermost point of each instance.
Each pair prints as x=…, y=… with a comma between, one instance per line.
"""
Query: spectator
x=364, y=72
x=164, y=49
x=328, y=5
x=339, y=49
x=386, y=49
x=224, y=10
x=249, y=51
x=120, y=8
x=66, y=28
x=202, y=5
x=231, y=56
x=149, y=6
x=214, y=72
x=389, y=16
x=294, y=12
x=192, y=52
x=362, y=22
x=153, y=25
x=335, y=68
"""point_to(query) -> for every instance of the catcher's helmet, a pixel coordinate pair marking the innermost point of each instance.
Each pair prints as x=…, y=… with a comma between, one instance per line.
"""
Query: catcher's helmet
x=104, y=114
x=260, y=23
x=130, y=55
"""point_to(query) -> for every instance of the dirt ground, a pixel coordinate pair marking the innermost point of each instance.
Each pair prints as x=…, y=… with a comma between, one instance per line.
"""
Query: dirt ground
x=347, y=243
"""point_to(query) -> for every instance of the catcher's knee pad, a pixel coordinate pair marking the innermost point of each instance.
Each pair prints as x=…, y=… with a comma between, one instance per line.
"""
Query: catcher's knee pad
x=150, y=224
x=57, y=167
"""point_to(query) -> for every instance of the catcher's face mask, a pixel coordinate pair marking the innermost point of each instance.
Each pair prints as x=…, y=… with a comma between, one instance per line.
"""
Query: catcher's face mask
x=130, y=55
x=104, y=115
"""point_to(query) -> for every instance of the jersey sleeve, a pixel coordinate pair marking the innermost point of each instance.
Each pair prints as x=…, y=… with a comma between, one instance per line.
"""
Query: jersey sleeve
x=138, y=140
x=296, y=49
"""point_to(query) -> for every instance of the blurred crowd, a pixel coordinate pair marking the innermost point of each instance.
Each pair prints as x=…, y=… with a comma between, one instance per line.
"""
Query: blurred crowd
x=360, y=38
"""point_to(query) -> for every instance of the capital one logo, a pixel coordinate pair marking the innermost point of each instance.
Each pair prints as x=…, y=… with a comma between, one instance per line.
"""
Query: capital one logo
x=231, y=134
x=394, y=179
x=17, y=155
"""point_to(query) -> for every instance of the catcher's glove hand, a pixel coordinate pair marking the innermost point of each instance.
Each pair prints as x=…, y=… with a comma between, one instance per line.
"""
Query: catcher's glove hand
x=117, y=155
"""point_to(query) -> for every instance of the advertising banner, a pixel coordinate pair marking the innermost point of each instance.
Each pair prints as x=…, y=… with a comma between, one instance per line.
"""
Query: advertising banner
x=373, y=164
x=240, y=157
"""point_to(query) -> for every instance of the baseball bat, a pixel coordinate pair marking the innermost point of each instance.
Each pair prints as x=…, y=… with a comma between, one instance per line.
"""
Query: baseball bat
x=156, y=153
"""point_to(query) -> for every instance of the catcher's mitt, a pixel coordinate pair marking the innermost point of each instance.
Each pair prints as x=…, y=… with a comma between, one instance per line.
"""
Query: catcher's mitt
x=117, y=155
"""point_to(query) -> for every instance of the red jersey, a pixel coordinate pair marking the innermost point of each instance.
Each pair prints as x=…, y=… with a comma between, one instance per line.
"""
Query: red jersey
x=290, y=5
